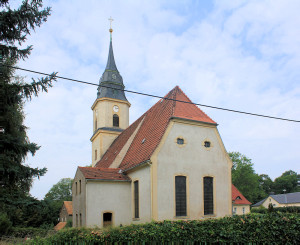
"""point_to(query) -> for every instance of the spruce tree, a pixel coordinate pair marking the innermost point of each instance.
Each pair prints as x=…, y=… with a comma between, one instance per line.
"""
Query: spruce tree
x=16, y=177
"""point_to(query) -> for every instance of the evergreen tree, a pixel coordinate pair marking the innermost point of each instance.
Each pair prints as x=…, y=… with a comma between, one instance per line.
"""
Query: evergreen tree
x=16, y=177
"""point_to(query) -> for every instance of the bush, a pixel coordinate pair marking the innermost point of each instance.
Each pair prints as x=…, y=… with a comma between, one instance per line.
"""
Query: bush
x=274, y=228
x=5, y=224
x=31, y=232
x=263, y=210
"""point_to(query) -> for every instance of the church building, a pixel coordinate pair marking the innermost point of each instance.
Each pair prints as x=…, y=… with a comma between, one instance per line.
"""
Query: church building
x=170, y=164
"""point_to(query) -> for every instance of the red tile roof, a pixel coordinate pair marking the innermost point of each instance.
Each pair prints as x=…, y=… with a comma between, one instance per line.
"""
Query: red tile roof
x=154, y=123
x=103, y=173
x=60, y=225
x=69, y=207
x=236, y=194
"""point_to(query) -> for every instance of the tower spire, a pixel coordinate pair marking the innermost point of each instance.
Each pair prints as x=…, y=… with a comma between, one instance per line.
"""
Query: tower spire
x=111, y=78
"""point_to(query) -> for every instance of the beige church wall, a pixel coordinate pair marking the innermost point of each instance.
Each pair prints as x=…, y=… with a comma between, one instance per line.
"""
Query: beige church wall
x=238, y=209
x=79, y=199
x=108, y=196
x=194, y=161
x=143, y=176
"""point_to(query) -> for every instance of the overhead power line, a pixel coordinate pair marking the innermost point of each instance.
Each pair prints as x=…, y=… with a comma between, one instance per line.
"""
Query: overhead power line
x=160, y=97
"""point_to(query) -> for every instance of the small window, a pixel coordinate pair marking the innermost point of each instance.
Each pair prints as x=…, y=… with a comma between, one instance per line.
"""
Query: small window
x=136, y=199
x=76, y=220
x=243, y=210
x=96, y=126
x=234, y=210
x=76, y=187
x=180, y=141
x=95, y=154
x=180, y=195
x=238, y=198
x=79, y=187
x=115, y=120
x=107, y=219
x=207, y=144
x=80, y=220
x=208, y=195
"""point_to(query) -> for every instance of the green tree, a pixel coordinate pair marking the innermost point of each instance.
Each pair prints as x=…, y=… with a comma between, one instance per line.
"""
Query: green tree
x=16, y=177
x=287, y=183
x=245, y=178
x=61, y=191
x=266, y=183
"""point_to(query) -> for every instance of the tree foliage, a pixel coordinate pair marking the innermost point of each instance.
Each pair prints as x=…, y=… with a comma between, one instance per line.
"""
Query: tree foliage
x=287, y=182
x=16, y=177
x=245, y=178
x=61, y=191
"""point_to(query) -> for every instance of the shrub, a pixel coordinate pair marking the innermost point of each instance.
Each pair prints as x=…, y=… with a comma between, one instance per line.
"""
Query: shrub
x=263, y=210
x=274, y=228
x=5, y=224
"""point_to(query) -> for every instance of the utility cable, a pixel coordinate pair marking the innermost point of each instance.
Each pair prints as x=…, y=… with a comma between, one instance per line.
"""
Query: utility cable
x=160, y=97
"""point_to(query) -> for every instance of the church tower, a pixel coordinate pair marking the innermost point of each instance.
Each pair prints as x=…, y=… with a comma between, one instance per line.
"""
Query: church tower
x=110, y=109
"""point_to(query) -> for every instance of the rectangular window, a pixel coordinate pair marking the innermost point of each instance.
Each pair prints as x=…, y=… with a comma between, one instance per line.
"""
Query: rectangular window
x=136, y=199
x=208, y=190
x=79, y=186
x=95, y=154
x=243, y=210
x=76, y=220
x=80, y=220
x=76, y=187
x=180, y=195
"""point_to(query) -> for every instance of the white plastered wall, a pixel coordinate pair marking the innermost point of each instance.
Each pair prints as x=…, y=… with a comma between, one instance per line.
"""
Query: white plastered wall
x=108, y=196
x=194, y=161
x=142, y=174
x=238, y=209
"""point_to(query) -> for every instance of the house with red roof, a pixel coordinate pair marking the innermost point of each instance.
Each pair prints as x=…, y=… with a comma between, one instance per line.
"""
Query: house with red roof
x=240, y=205
x=66, y=213
x=169, y=164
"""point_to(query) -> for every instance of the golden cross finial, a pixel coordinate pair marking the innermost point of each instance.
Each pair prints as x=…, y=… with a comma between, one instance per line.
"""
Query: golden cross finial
x=110, y=20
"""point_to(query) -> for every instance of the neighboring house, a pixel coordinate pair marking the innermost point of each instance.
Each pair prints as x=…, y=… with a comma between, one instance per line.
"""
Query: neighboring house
x=169, y=164
x=240, y=205
x=66, y=214
x=280, y=200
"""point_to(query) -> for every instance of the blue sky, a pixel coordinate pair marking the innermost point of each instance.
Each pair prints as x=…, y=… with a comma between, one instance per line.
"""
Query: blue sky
x=243, y=55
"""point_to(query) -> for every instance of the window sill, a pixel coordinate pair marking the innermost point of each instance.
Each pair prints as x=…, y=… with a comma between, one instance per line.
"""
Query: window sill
x=209, y=215
x=135, y=219
x=181, y=217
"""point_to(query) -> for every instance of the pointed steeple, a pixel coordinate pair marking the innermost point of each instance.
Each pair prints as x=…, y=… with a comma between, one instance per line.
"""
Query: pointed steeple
x=111, y=79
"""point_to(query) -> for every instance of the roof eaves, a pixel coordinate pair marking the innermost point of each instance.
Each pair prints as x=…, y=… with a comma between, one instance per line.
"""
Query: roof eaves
x=109, y=180
x=137, y=165
x=191, y=120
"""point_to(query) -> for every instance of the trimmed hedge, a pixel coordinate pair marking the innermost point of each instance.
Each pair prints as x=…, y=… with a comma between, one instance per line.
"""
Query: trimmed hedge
x=291, y=209
x=275, y=228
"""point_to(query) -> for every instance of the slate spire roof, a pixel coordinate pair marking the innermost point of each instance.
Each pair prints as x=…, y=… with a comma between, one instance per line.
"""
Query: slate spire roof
x=111, y=79
x=141, y=138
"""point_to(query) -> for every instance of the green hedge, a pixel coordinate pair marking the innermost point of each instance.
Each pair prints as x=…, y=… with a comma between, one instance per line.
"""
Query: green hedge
x=23, y=232
x=279, y=209
x=274, y=228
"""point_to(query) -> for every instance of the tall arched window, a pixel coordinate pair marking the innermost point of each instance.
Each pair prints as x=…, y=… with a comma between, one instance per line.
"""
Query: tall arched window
x=115, y=120
x=208, y=190
x=180, y=195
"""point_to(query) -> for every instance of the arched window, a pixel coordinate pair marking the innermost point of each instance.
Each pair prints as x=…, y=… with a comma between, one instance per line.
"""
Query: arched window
x=180, y=195
x=208, y=190
x=115, y=120
x=107, y=219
